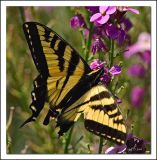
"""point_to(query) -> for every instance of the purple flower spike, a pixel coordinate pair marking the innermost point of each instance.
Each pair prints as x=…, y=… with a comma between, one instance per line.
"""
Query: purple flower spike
x=96, y=64
x=136, y=70
x=77, y=21
x=98, y=46
x=137, y=95
x=115, y=70
x=103, y=15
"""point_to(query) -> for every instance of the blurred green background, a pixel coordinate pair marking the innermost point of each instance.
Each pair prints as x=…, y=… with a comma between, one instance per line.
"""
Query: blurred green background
x=35, y=137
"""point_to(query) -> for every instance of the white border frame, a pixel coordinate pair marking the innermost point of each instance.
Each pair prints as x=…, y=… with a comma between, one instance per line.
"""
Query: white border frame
x=4, y=4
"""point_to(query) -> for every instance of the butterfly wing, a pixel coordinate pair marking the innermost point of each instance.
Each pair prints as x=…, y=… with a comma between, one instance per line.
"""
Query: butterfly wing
x=101, y=114
x=60, y=68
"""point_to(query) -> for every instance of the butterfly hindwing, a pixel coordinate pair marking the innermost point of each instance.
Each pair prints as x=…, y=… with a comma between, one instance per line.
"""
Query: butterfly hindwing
x=101, y=114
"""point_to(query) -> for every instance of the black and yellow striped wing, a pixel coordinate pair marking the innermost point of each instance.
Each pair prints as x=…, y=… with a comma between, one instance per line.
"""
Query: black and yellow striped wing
x=60, y=69
x=66, y=81
x=101, y=114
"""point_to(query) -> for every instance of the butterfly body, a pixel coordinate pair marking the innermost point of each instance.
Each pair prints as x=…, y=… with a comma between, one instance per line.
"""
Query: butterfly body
x=70, y=87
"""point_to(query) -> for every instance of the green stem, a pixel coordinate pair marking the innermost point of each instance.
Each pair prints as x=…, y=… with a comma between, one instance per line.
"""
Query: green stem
x=100, y=145
x=87, y=51
x=111, y=53
x=68, y=140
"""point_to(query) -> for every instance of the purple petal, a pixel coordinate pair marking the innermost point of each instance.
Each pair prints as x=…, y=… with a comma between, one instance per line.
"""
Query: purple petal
x=116, y=149
x=131, y=50
x=92, y=9
x=146, y=57
x=115, y=70
x=127, y=23
x=96, y=64
x=136, y=70
x=112, y=31
x=121, y=37
x=103, y=19
x=133, y=10
x=95, y=17
x=111, y=10
x=137, y=96
x=77, y=21
x=103, y=9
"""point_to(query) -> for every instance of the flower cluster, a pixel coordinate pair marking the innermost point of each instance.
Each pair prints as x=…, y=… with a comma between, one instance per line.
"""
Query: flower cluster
x=109, y=23
x=108, y=72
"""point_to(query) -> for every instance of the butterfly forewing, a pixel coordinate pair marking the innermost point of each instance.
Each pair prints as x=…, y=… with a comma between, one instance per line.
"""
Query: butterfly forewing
x=60, y=66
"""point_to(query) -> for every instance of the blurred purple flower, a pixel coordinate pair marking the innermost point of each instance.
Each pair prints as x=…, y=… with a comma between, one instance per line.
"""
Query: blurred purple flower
x=77, y=21
x=137, y=95
x=98, y=45
x=115, y=70
x=136, y=70
x=143, y=44
x=28, y=13
x=103, y=15
x=96, y=64
x=92, y=9
x=116, y=149
x=146, y=57
x=126, y=8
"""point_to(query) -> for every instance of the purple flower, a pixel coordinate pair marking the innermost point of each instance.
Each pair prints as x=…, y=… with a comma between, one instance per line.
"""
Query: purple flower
x=77, y=21
x=106, y=79
x=126, y=8
x=103, y=15
x=112, y=31
x=127, y=24
x=92, y=9
x=115, y=33
x=98, y=46
x=96, y=64
x=115, y=70
x=146, y=57
x=116, y=149
x=137, y=96
x=108, y=73
x=143, y=44
x=136, y=70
